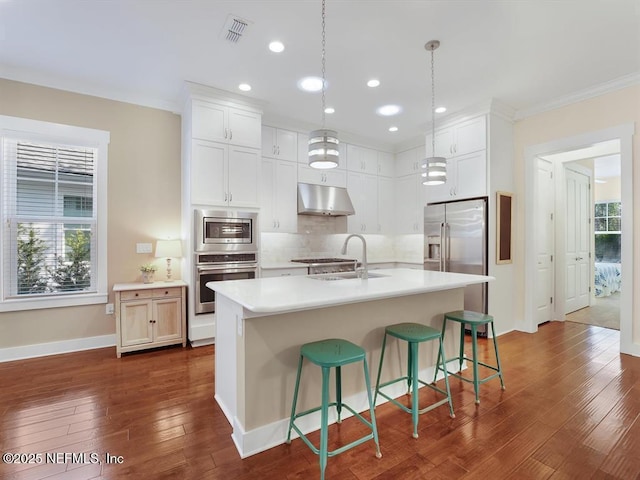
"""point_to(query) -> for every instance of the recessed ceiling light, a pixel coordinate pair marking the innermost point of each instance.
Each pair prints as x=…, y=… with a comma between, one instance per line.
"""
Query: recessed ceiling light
x=373, y=83
x=329, y=110
x=245, y=87
x=441, y=109
x=276, y=46
x=388, y=110
x=310, y=84
x=393, y=129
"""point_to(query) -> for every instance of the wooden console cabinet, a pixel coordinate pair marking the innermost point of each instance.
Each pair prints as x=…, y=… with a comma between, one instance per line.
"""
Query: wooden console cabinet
x=150, y=315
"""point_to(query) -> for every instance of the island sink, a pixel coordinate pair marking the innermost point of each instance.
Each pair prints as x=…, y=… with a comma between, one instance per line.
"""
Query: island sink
x=329, y=277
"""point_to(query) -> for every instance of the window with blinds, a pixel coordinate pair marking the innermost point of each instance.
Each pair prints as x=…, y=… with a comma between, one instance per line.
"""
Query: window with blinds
x=49, y=197
x=50, y=231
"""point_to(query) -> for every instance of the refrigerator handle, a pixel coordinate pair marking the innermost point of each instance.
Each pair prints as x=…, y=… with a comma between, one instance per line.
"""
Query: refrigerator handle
x=442, y=246
x=447, y=233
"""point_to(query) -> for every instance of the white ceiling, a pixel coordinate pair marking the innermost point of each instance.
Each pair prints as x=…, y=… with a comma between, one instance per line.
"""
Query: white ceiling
x=524, y=53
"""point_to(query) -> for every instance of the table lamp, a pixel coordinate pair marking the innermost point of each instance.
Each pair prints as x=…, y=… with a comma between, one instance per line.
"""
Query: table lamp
x=169, y=249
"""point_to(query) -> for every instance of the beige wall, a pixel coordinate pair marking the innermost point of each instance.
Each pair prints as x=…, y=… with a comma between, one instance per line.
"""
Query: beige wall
x=606, y=111
x=143, y=198
x=605, y=192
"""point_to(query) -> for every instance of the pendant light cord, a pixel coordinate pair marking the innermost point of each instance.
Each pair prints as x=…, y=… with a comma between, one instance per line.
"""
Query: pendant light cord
x=323, y=65
x=433, y=106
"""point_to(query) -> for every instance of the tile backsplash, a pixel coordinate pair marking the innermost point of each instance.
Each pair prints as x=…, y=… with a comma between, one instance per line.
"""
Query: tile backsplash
x=324, y=236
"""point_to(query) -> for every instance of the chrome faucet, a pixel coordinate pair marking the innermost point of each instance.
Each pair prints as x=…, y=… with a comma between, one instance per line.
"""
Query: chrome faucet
x=362, y=272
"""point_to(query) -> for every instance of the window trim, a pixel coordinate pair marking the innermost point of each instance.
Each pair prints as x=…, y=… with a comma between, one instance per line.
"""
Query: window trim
x=59, y=133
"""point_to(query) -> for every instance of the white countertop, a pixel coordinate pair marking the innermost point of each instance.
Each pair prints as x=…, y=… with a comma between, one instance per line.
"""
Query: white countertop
x=288, y=294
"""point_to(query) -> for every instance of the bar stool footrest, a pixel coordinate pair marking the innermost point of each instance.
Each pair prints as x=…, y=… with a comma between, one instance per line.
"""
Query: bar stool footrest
x=470, y=380
x=407, y=409
x=339, y=450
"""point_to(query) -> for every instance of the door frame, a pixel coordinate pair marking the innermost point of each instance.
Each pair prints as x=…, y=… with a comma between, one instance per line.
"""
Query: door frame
x=623, y=133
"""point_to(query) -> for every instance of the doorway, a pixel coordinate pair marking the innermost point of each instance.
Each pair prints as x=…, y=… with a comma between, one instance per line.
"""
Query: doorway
x=623, y=135
x=598, y=301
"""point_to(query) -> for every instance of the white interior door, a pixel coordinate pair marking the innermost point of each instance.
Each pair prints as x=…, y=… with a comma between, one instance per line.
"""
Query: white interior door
x=545, y=232
x=578, y=267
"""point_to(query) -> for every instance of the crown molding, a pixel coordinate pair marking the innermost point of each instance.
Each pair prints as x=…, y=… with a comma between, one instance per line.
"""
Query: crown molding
x=193, y=90
x=82, y=88
x=581, y=95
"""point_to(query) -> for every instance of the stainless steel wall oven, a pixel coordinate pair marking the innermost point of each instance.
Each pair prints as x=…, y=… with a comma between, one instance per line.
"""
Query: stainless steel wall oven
x=225, y=249
x=213, y=267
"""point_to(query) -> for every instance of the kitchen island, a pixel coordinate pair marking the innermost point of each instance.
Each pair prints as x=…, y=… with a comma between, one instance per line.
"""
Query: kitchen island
x=261, y=324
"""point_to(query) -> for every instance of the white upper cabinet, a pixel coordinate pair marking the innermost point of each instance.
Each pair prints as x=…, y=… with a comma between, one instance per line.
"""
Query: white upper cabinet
x=279, y=143
x=408, y=162
x=460, y=139
x=385, y=205
x=279, y=207
x=386, y=165
x=464, y=146
x=466, y=178
x=361, y=159
x=409, y=204
x=331, y=176
x=224, y=174
x=225, y=124
x=363, y=190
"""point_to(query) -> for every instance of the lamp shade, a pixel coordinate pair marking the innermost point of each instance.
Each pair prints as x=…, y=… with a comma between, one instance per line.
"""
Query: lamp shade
x=169, y=248
x=434, y=171
x=323, y=149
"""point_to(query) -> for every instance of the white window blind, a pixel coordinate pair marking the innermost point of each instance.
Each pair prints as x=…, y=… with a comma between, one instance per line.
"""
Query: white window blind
x=49, y=218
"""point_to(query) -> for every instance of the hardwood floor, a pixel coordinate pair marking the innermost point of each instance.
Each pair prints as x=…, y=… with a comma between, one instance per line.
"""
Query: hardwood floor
x=571, y=410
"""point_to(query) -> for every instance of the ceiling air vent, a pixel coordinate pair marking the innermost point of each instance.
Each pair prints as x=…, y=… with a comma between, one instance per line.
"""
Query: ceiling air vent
x=234, y=28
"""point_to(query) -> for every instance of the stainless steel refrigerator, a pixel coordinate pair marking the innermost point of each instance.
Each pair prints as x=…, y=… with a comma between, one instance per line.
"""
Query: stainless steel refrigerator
x=455, y=240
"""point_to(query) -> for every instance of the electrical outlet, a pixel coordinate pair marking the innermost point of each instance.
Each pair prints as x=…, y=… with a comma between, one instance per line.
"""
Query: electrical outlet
x=143, y=248
x=108, y=309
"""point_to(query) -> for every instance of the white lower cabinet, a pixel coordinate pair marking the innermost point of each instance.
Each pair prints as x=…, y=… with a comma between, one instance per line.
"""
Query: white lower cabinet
x=224, y=174
x=282, y=272
x=279, y=207
x=149, y=315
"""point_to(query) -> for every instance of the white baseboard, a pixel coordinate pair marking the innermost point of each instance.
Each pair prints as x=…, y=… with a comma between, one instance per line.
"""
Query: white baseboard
x=202, y=330
x=54, y=348
x=267, y=436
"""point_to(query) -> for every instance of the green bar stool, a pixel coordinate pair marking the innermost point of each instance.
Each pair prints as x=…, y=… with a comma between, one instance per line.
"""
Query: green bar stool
x=414, y=334
x=327, y=354
x=474, y=320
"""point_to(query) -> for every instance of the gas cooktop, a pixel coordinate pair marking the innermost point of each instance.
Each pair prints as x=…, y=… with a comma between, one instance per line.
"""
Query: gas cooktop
x=323, y=260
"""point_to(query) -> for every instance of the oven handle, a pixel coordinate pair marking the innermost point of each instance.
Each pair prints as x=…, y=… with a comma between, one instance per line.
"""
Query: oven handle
x=243, y=269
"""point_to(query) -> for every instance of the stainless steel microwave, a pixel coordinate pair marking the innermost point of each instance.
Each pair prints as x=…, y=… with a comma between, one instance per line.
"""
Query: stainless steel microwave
x=224, y=231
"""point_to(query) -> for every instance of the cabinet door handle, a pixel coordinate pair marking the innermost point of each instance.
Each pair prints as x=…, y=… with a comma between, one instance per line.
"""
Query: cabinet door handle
x=225, y=133
x=225, y=196
x=273, y=149
x=230, y=134
x=137, y=294
x=230, y=196
x=278, y=147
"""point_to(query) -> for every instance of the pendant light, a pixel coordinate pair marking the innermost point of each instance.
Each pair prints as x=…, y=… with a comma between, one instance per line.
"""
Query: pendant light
x=435, y=168
x=323, y=143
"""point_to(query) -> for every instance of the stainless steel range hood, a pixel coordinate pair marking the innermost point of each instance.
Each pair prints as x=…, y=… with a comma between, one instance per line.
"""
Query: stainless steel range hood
x=323, y=200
